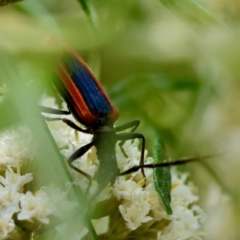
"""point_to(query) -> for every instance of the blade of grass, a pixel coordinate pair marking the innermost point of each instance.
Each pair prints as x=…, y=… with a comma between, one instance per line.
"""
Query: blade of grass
x=48, y=164
x=161, y=175
x=88, y=11
x=193, y=11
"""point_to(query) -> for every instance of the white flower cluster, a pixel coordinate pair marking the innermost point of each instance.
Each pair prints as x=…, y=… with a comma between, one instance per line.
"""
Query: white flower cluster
x=143, y=207
x=139, y=207
x=17, y=147
x=134, y=211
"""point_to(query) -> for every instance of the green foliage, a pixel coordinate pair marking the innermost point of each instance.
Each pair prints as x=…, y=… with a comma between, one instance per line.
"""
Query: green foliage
x=162, y=176
x=181, y=78
x=192, y=11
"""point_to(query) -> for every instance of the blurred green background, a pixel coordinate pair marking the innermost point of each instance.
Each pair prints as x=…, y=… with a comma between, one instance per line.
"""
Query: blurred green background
x=172, y=64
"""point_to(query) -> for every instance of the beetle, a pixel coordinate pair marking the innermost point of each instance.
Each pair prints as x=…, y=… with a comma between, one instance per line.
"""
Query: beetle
x=90, y=105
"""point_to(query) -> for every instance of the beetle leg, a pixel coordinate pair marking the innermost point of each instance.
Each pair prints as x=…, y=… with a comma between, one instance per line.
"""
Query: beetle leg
x=54, y=111
x=80, y=152
x=65, y=120
x=120, y=144
x=131, y=136
x=133, y=124
x=69, y=123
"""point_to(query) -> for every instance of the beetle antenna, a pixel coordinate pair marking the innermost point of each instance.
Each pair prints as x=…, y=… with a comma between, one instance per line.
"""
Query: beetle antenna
x=166, y=164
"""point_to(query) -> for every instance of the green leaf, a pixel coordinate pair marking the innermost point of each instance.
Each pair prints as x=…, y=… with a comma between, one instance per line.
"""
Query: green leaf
x=85, y=6
x=192, y=11
x=162, y=175
x=87, y=10
x=48, y=166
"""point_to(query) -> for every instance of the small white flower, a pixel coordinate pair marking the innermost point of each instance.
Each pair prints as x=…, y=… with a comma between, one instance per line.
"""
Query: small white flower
x=182, y=192
x=16, y=145
x=6, y=225
x=15, y=180
x=9, y=197
x=35, y=207
x=135, y=211
x=122, y=188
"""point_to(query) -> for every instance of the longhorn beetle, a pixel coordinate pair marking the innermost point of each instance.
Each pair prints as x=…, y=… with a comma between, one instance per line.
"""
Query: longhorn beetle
x=90, y=105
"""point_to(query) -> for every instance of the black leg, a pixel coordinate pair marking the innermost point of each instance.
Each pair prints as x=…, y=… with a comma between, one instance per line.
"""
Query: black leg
x=65, y=120
x=133, y=124
x=54, y=111
x=80, y=152
x=69, y=123
x=120, y=144
x=131, y=136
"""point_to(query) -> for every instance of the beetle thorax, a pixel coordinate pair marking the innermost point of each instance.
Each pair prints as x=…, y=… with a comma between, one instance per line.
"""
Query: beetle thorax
x=104, y=129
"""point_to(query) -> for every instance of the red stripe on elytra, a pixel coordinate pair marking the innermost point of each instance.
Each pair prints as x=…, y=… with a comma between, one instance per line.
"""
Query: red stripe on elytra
x=81, y=107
